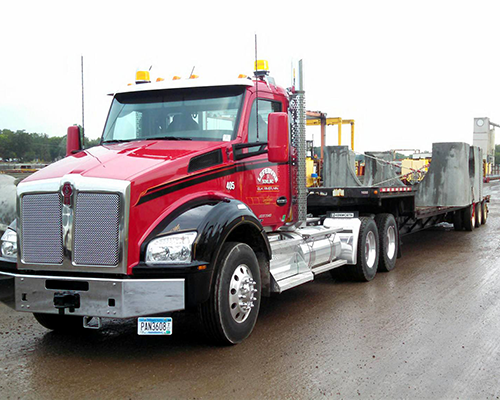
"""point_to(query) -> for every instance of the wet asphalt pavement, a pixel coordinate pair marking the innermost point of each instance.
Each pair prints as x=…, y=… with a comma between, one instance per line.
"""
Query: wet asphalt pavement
x=429, y=329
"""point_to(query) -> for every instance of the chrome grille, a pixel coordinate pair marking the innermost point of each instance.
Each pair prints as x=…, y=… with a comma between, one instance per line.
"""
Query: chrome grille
x=41, y=229
x=97, y=229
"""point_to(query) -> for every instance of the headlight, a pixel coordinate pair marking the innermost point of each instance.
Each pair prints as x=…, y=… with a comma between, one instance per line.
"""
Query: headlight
x=9, y=244
x=171, y=249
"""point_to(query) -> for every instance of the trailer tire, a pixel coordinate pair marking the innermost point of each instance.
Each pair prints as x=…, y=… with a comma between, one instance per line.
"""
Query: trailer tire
x=231, y=311
x=479, y=215
x=484, y=209
x=60, y=323
x=458, y=222
x=388, y=241
x=469, y=218
x=368, y=252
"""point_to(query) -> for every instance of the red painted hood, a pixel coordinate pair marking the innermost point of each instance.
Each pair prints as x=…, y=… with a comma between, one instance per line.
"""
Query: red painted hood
x=129, y=161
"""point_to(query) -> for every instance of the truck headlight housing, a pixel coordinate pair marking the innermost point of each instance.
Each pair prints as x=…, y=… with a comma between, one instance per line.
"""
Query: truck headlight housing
x=8, y=244
x=171, y=249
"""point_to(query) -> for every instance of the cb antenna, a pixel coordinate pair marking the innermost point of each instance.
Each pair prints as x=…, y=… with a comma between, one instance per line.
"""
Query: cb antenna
x=256, y=91
x=83, y=102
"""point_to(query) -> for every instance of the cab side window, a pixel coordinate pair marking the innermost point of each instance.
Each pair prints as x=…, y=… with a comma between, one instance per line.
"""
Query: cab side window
x=259, y=120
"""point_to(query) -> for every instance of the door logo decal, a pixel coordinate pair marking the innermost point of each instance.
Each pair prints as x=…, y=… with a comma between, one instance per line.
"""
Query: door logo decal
x=267, y=181
x=267, y=177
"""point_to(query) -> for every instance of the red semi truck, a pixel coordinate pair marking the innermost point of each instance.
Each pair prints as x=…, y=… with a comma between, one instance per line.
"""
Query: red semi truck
x=195, y=199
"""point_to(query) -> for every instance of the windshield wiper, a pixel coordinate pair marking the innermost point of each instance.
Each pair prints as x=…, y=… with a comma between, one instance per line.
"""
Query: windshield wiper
x=168, y=138
x=117, y=141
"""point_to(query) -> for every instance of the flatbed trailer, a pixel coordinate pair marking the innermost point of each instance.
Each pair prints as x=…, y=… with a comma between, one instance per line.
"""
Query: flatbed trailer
x=374, y=200
x=451, y=191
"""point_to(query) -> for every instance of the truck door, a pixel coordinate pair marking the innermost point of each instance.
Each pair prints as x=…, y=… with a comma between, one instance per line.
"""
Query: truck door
x=266, y=186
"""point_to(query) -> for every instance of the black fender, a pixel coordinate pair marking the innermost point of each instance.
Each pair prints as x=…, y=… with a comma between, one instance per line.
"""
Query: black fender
x=216, y=221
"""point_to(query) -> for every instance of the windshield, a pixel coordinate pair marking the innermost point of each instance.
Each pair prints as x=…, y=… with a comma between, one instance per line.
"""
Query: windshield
x=210, y=114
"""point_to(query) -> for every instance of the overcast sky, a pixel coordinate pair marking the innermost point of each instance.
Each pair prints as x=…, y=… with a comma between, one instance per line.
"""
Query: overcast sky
x=409, y=73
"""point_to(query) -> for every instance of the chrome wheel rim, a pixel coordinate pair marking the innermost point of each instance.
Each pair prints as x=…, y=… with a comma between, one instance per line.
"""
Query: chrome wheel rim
x=479, y=215
x=370, y=249
x=391, y=242
x=241, y=293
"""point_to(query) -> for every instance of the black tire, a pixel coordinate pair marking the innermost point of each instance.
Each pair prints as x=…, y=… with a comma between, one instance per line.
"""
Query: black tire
x=60, y=323
x=388, y=241
x=484, y=209
x=458, y=222
x=479, y=215
x=367, y=253
x=469, y=218
x=226, y=318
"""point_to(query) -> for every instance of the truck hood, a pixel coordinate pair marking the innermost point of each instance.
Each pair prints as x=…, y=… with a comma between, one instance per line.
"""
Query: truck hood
x=128, y=161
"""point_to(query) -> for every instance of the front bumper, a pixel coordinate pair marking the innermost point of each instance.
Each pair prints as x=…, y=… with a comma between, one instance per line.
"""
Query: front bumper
x=112, y=298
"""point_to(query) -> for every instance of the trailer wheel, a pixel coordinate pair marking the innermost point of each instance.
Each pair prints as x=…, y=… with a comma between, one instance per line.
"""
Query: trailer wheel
x=484, y=209
x=368, y=252
x=479, y=215
x=60, y=323
x=230, y=313
x=469, y=218
x=388, y=241
x=458, y=222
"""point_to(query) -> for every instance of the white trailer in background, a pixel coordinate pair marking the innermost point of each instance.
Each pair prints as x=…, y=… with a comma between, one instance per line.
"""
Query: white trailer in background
x=484, y=138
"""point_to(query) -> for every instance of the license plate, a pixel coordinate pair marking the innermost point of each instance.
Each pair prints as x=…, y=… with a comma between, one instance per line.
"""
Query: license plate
x=154, y=326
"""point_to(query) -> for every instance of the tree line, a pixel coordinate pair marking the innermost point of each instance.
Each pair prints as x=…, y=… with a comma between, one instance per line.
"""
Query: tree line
x=22, y=146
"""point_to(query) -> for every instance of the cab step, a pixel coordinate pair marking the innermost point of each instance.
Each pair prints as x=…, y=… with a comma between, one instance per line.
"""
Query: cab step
x=293, y=281
x=328, y=267
x=304, y=277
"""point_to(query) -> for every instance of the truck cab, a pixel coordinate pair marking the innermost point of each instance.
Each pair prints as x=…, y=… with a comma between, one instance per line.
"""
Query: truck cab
x=182, y=169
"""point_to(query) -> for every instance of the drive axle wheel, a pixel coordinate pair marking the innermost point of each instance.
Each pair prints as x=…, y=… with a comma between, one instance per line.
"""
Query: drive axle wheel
x=230, y=314
x=368, y=252
x=60, y=323
x=388, y=243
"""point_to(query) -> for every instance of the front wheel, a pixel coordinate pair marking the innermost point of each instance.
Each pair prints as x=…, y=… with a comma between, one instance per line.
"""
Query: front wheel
x=230, y=313
x=60, y=323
